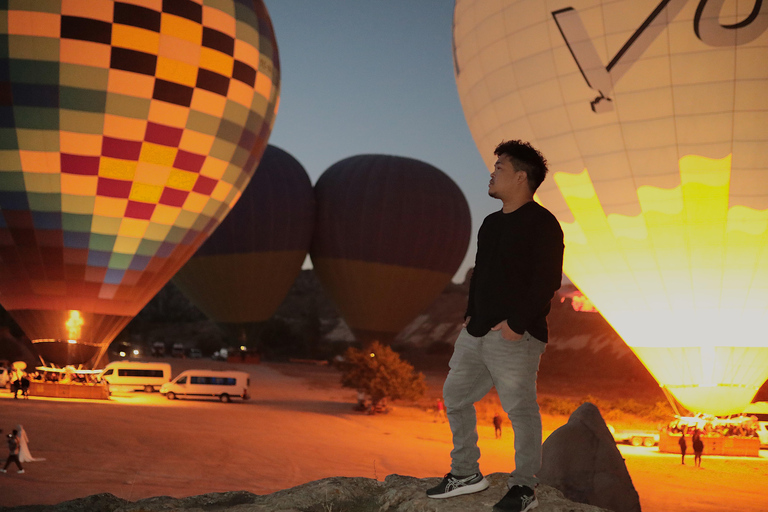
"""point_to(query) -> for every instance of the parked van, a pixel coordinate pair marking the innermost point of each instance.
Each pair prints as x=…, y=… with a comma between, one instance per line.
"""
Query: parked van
x=209, y=383
x=132, y=375
x=178, y=350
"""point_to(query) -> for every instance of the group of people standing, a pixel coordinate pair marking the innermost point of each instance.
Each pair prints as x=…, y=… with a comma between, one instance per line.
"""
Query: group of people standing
x=18, y=449
x=698, y=447
x=19, y=381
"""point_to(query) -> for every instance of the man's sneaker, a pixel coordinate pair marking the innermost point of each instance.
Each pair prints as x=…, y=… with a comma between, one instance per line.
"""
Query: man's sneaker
x=519, y=498
x=20, y=471
x=458, y=485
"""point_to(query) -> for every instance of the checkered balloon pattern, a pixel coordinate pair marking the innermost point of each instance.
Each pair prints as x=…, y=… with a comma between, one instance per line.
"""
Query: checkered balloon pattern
x=128, y=130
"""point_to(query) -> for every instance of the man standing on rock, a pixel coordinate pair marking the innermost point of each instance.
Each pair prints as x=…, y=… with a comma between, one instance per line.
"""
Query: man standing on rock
x=518, y=268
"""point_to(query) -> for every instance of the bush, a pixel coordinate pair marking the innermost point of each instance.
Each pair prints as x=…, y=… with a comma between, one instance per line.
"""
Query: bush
x=557, y=406
x=631, y=406
x=380, y=373
x=662, y=411
x=623, y=409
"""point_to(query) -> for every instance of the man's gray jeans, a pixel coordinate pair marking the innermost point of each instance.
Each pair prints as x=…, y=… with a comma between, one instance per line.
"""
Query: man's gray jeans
x=511, y=366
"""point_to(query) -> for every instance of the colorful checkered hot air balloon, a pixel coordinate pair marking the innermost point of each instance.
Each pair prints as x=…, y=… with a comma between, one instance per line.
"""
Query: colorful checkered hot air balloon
x=128, y=131
x=653, y=116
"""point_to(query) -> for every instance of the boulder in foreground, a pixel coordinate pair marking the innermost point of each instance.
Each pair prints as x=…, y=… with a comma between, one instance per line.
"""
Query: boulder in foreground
x=582, y=460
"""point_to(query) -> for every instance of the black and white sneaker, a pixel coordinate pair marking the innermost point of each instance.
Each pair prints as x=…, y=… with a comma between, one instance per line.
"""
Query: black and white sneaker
x=458, y=485
x=519, y=498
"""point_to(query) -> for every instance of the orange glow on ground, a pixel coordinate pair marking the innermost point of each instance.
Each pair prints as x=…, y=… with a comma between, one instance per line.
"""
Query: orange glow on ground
x=141, y=445
x=684, y=283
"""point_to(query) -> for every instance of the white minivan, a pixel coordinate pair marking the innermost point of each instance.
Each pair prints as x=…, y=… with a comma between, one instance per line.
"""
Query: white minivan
x=225, y=385
x=131, y=375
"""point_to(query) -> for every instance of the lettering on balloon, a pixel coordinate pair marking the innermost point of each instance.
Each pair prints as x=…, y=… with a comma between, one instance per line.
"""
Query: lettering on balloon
x=706, y=27
x=710, y=31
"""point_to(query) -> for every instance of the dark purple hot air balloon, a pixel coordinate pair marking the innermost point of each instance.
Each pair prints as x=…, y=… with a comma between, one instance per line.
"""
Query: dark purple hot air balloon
x=390, y=233
x=244, y=270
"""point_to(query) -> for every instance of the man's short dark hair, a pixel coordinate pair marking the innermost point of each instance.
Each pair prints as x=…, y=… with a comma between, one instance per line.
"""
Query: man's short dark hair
x=525, y=158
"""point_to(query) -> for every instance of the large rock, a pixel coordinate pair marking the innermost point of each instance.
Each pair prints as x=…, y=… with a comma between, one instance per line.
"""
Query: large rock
x=581, y=460
x=396, y=494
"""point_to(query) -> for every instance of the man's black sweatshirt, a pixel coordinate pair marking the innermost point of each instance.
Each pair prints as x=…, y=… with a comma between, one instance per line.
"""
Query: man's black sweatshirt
x=518, y=269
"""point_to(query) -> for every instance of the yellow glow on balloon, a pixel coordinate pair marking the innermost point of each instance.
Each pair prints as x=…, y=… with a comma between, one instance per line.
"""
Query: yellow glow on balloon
x=699, y=269
x=653, y=118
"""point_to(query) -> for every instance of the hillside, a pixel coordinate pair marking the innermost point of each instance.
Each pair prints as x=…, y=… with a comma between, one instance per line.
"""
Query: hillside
x=584, y=352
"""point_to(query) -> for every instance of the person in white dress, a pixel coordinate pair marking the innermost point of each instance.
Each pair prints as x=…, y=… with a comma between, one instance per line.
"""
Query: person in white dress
x=24, y=454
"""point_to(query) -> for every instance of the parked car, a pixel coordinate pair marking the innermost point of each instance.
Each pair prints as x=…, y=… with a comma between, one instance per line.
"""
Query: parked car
x=5, y=377
x=158, y=349
x=635, y=437
x=208, y=383
x=178, y=350
x=133, y=375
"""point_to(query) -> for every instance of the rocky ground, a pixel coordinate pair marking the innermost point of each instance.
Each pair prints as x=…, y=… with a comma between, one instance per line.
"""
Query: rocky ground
x=395, y=494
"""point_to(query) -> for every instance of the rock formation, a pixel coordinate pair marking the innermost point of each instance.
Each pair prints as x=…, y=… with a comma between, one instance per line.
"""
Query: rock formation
x=339, y=494
x=582, y=460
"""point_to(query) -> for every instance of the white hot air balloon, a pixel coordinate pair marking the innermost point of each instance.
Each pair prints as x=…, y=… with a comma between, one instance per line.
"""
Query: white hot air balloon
x=653, y=115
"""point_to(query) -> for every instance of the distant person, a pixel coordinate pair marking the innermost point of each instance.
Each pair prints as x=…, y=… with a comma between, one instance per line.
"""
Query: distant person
x=518, y=268
x=497, y=425
x=683, y=446
x=13, y=452
x=25, y=386
x=18, y=381
x=24, y=453
x=698, y=448
x=441, y=409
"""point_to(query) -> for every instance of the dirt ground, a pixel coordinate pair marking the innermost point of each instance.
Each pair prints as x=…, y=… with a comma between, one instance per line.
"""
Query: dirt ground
x=298, y=427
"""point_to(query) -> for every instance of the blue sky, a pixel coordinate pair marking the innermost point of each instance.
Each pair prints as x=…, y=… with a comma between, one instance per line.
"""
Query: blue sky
x=375, y=76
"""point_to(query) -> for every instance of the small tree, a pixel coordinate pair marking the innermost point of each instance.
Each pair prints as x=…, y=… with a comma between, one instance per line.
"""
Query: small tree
x=379, y=372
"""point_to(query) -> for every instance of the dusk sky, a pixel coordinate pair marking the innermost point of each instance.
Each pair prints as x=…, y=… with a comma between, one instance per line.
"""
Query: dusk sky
x=374, y=76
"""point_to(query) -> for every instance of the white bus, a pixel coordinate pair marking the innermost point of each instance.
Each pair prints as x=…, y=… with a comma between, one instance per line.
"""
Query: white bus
x=134, y=376
x=225, y=385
